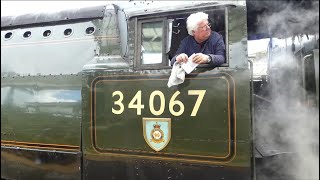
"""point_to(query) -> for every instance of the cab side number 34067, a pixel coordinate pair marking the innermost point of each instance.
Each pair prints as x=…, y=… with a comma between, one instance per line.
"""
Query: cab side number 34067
x=136, y=103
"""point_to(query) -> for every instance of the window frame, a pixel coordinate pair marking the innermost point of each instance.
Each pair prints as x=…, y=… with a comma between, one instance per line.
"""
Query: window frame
x=137, y=62
x=165, y=64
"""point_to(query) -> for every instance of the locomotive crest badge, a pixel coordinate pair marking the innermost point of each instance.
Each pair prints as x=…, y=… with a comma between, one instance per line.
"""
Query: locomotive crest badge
x=157, y=132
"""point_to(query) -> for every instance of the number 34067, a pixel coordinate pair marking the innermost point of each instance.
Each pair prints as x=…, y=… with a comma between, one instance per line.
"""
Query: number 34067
x=135, y=103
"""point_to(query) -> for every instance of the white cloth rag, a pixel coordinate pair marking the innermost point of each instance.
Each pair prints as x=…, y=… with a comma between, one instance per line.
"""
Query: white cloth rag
x=177, y=75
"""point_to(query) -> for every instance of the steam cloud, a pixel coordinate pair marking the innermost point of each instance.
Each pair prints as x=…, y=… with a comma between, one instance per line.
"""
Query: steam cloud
x=287, y=124
x=292, y=19
x=287, y=127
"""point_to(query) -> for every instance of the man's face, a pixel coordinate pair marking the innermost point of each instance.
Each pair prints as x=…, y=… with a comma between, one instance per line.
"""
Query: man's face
x=203, y=32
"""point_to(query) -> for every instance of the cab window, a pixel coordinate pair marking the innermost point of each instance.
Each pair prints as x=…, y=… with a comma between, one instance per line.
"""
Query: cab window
x=151, y=43
x=158, y=39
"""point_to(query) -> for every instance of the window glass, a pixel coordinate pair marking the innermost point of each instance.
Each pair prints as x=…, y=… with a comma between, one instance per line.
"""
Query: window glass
x=151, y=43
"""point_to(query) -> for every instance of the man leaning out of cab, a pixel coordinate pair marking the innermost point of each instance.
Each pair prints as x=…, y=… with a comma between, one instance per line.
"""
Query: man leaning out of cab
x=207, y=46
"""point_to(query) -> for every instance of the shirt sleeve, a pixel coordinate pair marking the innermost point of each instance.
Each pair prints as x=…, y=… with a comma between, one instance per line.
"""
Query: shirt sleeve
x=182, y=49
x=218, y=57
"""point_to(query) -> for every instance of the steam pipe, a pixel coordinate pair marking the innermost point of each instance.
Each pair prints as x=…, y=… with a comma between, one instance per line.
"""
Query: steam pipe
x=269, y=50
x=262, y=98
x=304, y=75
x=252, y=119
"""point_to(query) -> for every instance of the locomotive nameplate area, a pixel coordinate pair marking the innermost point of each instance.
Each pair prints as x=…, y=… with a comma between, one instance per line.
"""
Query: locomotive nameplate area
x=202, y=113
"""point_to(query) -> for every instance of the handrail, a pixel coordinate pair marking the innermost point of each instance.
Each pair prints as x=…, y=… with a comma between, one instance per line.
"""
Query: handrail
x=304, y=74
x=252, y=118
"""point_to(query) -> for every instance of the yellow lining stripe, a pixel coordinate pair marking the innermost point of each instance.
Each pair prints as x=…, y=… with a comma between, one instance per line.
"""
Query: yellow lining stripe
x=40, y=145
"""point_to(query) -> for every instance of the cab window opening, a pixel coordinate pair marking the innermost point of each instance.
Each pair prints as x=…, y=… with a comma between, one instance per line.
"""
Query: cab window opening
x=151, y=43
x=179, y=29
x=150, y=39
x=158, y=39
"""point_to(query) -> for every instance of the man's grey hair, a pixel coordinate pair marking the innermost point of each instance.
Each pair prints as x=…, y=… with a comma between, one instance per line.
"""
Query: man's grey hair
x=193, y=20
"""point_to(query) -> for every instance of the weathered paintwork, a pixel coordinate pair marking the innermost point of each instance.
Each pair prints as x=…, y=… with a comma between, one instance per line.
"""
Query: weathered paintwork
x=220, y=139
x=57, y=96
x=29, y=163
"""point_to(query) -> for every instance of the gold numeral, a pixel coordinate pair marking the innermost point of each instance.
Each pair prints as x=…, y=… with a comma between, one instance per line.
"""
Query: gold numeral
x=174, y=102
x=162, y=103
x=118, y=102
x=138, y=105
x=200, y=94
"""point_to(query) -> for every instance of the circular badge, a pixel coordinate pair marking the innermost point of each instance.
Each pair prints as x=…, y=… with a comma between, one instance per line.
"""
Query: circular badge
x=157, y=134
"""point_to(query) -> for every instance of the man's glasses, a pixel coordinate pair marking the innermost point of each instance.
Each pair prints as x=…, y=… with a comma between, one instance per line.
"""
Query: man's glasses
x=205, y=26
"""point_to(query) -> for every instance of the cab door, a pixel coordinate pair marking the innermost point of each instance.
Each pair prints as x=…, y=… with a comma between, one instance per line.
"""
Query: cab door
x=136, y=127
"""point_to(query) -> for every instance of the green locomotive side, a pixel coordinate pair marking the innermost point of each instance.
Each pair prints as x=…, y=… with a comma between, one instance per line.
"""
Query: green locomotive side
x=82, y=101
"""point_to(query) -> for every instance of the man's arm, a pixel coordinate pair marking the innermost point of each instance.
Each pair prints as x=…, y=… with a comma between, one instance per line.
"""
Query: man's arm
x=218, y=57
x=182, y=49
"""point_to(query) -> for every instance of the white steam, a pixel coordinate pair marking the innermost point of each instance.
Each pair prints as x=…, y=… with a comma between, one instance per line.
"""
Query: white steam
x=291, y=20
x=287, y=123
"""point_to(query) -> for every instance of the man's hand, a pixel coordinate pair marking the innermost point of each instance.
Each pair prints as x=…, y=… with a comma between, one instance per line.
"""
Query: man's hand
x=182, y=58
x=200, y=58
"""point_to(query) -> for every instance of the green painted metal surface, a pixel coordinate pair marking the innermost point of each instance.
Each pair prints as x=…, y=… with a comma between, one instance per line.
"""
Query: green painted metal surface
x=80, y=94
